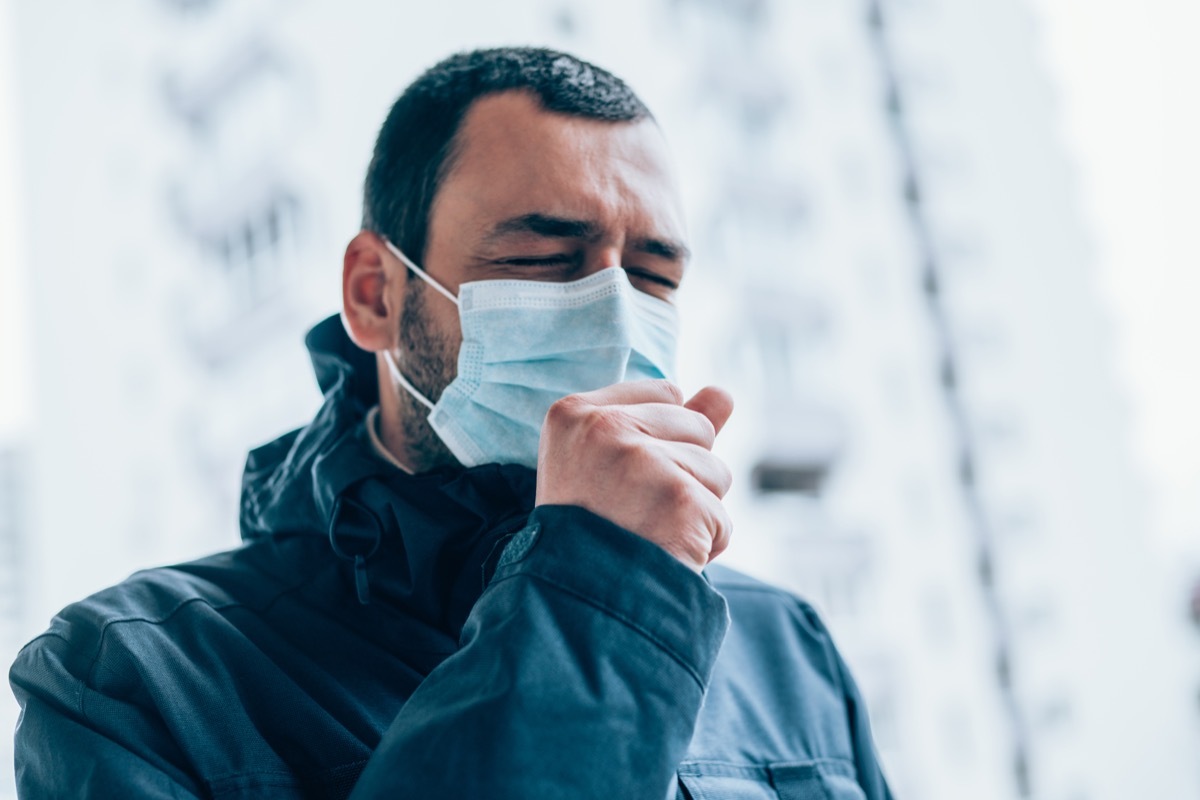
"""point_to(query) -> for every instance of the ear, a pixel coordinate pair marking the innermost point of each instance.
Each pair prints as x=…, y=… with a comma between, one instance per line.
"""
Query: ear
x=371, y=301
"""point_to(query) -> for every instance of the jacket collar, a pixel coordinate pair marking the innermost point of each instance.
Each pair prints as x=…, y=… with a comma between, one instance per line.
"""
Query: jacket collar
x=424, y=542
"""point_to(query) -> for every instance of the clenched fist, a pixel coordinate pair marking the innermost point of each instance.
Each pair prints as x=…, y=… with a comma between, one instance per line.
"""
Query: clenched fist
x=639, y=456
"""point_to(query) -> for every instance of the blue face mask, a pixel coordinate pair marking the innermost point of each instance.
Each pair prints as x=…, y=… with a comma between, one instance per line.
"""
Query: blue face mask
x=526, y=344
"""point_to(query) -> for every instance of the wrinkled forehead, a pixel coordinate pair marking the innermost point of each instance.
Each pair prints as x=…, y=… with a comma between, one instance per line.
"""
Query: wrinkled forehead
x=513, y=156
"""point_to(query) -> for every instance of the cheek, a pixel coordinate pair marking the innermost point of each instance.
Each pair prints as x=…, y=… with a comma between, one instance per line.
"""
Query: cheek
x=444, y=320
x=429, y=326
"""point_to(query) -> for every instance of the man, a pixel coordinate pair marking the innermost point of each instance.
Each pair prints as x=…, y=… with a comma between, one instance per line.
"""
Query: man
x=417, y=611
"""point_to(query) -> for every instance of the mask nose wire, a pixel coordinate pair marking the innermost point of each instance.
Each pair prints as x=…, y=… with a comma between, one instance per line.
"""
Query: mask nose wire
x=425, y=276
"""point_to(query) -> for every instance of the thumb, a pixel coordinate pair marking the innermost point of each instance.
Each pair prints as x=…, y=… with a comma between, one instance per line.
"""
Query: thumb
x=714, y=403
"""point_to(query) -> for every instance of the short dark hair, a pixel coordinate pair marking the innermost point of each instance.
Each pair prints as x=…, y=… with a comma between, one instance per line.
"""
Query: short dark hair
x=415, y=148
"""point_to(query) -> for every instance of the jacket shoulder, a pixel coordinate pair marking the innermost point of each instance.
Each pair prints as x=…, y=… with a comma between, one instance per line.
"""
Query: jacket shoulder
x=152, y=597
x=779, y=631
x=746, y=593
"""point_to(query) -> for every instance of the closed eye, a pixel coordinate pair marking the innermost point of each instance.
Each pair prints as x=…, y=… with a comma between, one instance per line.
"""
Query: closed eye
x=533, y=261
x=654, y=277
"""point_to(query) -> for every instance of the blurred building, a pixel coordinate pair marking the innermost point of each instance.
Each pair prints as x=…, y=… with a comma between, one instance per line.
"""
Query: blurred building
x=14, y=533
x=890, y=277
x=936, y=444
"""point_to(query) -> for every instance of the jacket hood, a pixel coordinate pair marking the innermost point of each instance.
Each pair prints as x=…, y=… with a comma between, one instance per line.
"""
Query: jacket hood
x=425, y=541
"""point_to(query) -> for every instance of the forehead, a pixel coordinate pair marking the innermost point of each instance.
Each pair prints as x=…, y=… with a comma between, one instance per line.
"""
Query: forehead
x=514, y=157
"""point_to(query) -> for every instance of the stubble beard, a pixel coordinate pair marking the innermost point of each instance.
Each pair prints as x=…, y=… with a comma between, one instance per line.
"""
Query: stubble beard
x=429, y=363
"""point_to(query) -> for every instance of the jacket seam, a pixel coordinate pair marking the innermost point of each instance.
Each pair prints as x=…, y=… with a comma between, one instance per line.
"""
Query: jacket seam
x=39, y=637
x=79, y=685
x=165, y=618
x=816, y=626
x=709, y=762
x=782, y=594
x=635, y=626
x=277, y=778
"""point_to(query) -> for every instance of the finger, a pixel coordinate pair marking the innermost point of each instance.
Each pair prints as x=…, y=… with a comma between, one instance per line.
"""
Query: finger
x=714, y=403
x=631, y=392
x=721, y=526
x=670, y=423
x=709, y=471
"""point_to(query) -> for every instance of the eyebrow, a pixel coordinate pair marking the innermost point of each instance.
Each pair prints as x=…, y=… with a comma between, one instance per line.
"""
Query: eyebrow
x=563, y=228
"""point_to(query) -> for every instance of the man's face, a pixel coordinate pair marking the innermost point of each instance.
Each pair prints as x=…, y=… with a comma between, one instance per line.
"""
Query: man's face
x=542, y=196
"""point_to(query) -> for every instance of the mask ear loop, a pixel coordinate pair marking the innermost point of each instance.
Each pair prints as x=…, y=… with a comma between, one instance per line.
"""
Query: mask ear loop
x=408, y=262
x=392, y=366
x=403, y=381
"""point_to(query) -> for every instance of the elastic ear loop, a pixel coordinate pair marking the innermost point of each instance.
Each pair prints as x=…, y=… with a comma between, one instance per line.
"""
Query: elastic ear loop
x=403, y=381
x=408, y=262
x=392, y=366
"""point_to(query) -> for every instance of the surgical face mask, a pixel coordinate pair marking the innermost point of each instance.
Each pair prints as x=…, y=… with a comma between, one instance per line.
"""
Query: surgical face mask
x=526, y=344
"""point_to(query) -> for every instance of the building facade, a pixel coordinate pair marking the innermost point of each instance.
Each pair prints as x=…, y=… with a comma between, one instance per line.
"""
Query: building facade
x=890, y=277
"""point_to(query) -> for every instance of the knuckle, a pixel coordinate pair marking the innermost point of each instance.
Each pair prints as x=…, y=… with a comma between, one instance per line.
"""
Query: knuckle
x=642, y=460
x=679, y=493
x=625, y=457
x=671, y=391
x=604, y=424
x=565, y=410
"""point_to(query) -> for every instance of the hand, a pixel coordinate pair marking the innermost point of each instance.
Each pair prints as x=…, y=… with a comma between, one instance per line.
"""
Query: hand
x=637, y=455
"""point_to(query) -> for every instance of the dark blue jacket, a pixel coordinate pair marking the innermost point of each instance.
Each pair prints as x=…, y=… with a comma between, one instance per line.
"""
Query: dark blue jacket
x=387, y=635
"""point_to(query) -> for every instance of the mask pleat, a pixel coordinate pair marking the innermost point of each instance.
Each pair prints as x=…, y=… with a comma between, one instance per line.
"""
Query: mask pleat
x=527, y=344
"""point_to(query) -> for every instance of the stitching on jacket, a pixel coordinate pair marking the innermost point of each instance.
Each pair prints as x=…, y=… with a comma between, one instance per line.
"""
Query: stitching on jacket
x=279, y=779
x=79, y=687
x=95, y=662
x=837, y=761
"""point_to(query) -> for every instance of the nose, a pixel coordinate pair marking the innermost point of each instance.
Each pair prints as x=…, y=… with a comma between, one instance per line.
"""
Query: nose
x=602, y=257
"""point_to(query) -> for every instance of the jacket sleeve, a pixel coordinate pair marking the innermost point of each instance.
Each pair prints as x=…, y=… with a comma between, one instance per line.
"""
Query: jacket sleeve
x=54, y=729
x=581, y=674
